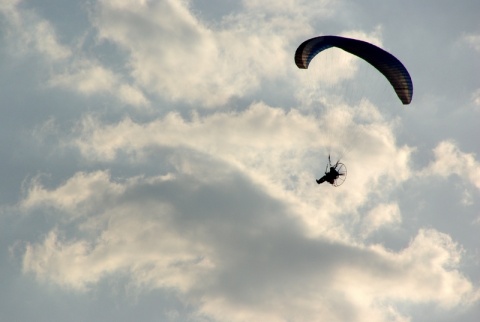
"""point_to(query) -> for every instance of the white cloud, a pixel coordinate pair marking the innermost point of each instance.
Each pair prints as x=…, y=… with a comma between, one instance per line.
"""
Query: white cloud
x=27, y=31
x=476, y=97
x=473, y=40
x=46, y=42
x=89, y=77
x=302, y=9
x=236, y=261
x=273, y=148
x=70, y=67
x=384, y=215
x=174, y=54
x=449, y=160
x=429, y=267
x=120, y=235
x=220, y=210
x=75, y=195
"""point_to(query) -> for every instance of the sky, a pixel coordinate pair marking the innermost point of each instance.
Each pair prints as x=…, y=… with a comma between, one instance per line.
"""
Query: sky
x=159, y=160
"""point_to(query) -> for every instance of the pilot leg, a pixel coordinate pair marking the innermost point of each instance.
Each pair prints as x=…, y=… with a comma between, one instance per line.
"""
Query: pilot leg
x=321, y=180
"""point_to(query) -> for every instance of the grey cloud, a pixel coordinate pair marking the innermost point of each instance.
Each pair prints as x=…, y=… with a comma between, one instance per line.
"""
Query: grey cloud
x=195, y=232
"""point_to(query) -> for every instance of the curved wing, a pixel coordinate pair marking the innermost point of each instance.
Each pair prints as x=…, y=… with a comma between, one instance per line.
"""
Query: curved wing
x=382, y=60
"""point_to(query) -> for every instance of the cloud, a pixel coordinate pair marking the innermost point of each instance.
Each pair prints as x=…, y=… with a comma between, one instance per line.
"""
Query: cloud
x=76, y=195
x=273, y=147
x=218, y=209
x=302, y=9
x=230, y=259
x=27, y=31
x=384, y=215
x=449, y=160
x=208, y=64
x=473, y=40
x=89, y=77
x=171, y=53
x=476, y=97
x=69, y=66
x=287, y=253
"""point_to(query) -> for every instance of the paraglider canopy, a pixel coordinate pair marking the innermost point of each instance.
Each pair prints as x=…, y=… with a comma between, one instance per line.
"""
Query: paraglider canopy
x=383, y=61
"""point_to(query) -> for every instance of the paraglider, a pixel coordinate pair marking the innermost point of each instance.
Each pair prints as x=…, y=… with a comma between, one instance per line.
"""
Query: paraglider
x=387, y=64
x=334, y=174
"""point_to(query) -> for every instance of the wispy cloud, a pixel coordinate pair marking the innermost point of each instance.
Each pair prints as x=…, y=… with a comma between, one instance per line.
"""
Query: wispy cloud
x=450, y=160
x=70, y=67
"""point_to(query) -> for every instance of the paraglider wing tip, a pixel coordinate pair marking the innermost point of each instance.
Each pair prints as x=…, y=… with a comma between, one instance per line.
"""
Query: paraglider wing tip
x=300, y=60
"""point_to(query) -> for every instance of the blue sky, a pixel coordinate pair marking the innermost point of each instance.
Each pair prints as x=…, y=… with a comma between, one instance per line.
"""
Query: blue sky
x=159, y=162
